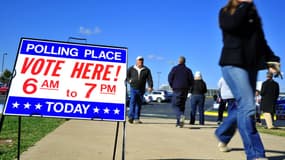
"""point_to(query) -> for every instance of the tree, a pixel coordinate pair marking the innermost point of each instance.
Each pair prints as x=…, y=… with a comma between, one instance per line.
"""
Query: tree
x=5, y=77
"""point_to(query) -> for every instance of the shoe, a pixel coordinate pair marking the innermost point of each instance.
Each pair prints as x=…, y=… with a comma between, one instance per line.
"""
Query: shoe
x=261, y=159
x=223, y=147
x=178, y=126
x=131, y=121
x=219, y=122
x=137, y=122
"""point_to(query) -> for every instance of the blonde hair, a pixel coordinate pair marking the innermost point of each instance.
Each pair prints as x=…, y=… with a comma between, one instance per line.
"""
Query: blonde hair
x=231, y=6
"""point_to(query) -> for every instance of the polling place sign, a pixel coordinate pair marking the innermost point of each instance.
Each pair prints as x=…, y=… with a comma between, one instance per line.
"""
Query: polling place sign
x=68, y=80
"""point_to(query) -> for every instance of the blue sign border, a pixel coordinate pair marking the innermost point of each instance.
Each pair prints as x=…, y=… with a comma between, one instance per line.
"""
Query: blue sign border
x=43, y=107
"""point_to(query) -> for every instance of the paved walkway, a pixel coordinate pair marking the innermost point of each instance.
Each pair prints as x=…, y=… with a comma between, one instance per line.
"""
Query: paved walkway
x=155, y=139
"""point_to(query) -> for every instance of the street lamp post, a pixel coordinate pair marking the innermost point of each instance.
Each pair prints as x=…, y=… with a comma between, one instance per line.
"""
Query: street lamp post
x=158, y=78
x=4, y=54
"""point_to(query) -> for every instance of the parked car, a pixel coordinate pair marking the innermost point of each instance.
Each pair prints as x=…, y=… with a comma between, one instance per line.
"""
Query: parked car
x=146, y=99
x=3, y=89
x=281, y=97
x=160, y=96
x=280, y=108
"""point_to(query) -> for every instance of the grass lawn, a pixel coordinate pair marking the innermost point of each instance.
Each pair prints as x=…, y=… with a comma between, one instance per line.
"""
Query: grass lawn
x=276, y=132
x=33, y=129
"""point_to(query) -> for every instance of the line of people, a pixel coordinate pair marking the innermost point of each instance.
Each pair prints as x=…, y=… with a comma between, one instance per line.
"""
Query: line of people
x=245, y=51
x=265, y=101
x=180, y=79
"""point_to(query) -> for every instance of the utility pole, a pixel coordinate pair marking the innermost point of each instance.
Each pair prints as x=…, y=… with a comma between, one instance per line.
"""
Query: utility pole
x=4, y=54
x=158, y=80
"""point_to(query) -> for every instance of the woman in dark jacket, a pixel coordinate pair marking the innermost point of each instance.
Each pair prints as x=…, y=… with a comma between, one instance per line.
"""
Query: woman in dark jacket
x=197, y=101
x=245, y=51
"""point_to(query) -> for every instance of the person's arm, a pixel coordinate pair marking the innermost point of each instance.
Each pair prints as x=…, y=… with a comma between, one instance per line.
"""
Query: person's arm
x=262, y=92
x=277, y=91
x=149, y=81
x=205, y=87
x=233, y=22
x=220, y=83
x=129, y=75
x=265, y=49
x=191, y=78
x=171, y=77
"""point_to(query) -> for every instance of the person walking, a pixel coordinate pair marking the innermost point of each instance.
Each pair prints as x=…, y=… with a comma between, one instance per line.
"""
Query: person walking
x=228, y=98
x=198, y=90
x=180, y=79
x=244, y=52
x=137, y=76
x=269, y=95
x=225, y=96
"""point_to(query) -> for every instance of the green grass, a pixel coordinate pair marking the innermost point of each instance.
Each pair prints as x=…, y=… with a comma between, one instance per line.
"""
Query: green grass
x=276, y=132
x=33, y=129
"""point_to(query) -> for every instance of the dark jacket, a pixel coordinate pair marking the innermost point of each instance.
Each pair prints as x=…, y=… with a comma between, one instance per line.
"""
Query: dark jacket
x=139, y=82
x=244, y=42
x=180, y=77
x=269, y=94
x=198, y=87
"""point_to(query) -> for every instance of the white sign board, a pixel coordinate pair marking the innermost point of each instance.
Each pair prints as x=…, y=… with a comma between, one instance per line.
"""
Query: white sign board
x=68, y=80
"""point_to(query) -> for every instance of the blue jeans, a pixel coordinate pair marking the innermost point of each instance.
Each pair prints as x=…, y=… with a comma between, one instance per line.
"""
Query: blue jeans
x=135, y=104
x=178, y=103
x=242, y=84
x=197, y=101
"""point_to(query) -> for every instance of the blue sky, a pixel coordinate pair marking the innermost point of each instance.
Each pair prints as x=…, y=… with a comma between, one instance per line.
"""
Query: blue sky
x=159, y=30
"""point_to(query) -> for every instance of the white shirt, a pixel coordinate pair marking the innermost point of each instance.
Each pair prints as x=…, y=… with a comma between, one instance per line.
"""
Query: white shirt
x=226, y=92
x=139, y=70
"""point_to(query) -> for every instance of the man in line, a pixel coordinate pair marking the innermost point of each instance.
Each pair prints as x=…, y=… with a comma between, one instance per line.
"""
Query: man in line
x=180, y=79
x=269, y=94
x=137, y=76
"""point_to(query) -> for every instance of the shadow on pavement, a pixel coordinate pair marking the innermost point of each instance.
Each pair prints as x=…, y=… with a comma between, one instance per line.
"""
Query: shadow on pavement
x=280, y=157
x=237, y=149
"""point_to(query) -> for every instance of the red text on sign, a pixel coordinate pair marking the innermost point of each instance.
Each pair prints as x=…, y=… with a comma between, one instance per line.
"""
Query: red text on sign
x=91, y=71
x=50, y=85
x=42, y=66
x=107, y=89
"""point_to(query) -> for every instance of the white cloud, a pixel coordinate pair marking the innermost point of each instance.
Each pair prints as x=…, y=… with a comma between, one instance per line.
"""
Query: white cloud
x=155, y=57
x=89, y=31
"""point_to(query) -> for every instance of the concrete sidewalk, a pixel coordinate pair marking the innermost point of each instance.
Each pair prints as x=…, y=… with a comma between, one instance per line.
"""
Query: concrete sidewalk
x=155, y=139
